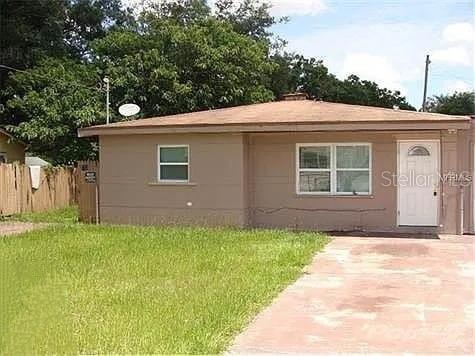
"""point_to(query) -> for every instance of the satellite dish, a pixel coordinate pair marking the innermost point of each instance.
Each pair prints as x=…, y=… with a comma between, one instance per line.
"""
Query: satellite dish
x=129, y=109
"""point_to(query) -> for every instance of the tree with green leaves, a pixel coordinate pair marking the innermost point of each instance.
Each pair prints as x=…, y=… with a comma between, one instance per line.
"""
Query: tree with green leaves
x=175, y=56
x=88, y=20
x=47, y=105
x=248, y=17
x=311, y=76
x=33, y=30
x=455, y=104
x=167, y=69
x=182, y=12
x=170, y=68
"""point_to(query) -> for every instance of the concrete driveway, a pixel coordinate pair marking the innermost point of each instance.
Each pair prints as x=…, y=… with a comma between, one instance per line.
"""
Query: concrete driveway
x=375, y=295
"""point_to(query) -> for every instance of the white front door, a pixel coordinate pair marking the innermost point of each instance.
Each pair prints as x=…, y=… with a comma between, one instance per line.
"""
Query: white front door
x=418, y=182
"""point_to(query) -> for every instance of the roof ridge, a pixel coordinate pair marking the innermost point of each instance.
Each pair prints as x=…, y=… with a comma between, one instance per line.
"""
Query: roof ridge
x=389, y=109
x=196, y=112
x=285, y=112
x=293, y=103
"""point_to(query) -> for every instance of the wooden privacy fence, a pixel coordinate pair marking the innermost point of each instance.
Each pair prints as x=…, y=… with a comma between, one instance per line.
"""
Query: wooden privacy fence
x=57, y=189
x=87, y=185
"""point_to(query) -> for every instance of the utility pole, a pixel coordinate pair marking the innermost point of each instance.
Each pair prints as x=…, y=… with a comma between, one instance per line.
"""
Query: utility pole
x=424, y=100
x=106, y=80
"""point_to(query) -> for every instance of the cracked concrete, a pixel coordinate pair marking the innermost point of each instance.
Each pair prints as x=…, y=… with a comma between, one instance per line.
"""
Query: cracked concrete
x=374, y=295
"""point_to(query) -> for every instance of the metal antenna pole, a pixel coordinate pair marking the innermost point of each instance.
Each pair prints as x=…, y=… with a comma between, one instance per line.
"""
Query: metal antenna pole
x=424, y=100
x=106, y=80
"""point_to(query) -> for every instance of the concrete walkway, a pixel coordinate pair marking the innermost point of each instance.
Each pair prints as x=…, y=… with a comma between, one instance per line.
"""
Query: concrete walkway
x=375, y=295
x=10, y=228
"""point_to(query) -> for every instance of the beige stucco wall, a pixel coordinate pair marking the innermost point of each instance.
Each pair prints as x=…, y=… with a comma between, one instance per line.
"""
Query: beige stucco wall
x=128, y=177
x=466, y=160
x=15, y=151
x=458, y=156
x=249, y=180
x=273, y=185
x=471, y=198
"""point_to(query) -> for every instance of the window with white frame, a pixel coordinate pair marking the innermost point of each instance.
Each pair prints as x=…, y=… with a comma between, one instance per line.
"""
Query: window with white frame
x=173, y=165
x=334, y=168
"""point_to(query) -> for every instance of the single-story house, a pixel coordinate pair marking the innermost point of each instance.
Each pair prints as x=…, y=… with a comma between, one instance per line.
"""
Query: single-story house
x=11, y=150
x=299, y=164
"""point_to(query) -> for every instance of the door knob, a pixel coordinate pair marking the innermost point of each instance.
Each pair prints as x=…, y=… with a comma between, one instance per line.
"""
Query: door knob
x=435, y=194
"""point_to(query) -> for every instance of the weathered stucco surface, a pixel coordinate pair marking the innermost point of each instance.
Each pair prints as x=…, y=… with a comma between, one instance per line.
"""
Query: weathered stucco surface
x=248, y=179
x=129, y=192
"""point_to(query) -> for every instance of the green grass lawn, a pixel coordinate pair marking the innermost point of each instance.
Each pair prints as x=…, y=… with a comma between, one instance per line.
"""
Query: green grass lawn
x=67, y=215
x=114, y=289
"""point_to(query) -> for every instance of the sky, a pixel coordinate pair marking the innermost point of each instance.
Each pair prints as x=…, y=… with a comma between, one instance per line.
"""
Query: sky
x=386, y=41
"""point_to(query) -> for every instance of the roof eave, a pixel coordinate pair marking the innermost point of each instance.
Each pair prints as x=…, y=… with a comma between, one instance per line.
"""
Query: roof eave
x=276, y=127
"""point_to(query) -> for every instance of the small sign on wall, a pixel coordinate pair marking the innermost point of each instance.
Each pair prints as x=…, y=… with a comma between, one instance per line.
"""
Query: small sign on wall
x=90, y=177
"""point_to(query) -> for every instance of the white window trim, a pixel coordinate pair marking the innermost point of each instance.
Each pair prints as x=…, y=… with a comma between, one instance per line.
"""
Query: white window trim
x=173, y=164
x=333, y=170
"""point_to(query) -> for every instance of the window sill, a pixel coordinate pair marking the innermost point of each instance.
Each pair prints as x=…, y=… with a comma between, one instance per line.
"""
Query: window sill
x=353, y=196
x=172, y=184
